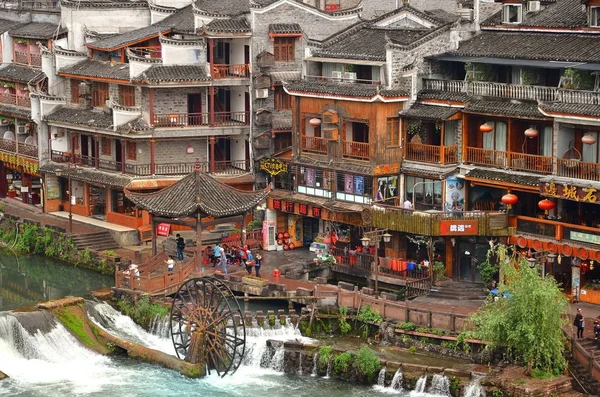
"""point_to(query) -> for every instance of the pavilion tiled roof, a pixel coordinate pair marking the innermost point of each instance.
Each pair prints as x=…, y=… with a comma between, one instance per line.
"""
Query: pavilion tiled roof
x=518, y=109
x=94, y=118
x=287, y=75
x=578, y=109
x=37, y=30
x=362, y=169
x=197, y=193
x=532, y=46
x=13, y=110
x=133, y=36
x=429, y=112
x=174, y=73
x=504, y=176
x=98, y=69
x=343, y=89
x=20, y=73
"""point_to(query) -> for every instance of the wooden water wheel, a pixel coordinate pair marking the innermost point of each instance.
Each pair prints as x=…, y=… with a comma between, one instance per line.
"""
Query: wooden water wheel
x=206, y=326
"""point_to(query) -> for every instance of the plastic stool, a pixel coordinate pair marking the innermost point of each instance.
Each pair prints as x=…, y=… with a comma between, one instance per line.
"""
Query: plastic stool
x=276, y=273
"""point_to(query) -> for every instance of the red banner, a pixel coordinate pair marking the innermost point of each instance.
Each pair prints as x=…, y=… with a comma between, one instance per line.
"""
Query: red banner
x=456, y=227
x=163, y=229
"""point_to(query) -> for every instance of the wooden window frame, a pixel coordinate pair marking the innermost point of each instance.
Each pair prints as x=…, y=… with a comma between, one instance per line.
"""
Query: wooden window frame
x=131, y=150
x=106, y=146
x=75, y=91
x=394, y=131
x=283, y=101
x=288, y=44
x=126, y=95
x=100, y=94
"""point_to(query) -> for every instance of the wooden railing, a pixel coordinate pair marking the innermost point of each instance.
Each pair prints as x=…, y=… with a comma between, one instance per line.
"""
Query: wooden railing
x=225, y=71
x=18, y=100
x=313, y=144
x=177, y=120
x=419, y=284
x=496, y=158
x=342, y=80
x=530, y=162
x=358, y=264
x=513, y=91
x=556, y=230
x=253, y=239
x=357, y=150
x=432, y=153
x=24, y=149
x=577, y=169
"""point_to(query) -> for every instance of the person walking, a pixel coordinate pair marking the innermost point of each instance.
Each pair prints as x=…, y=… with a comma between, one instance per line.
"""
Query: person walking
x=579, y=322
x=180, y=246
x=222, y=261
x=249, y=262
x=257, y=260
x=217, y=253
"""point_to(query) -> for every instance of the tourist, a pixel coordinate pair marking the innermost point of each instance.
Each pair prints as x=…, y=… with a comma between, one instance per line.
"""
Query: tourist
x=249, y=262
x=217, y=253
x=222, y=263
x=170, y=265
x=579, y=322
x=257, y=263
x=180, y=246
x=596, y=328
x=407, y=205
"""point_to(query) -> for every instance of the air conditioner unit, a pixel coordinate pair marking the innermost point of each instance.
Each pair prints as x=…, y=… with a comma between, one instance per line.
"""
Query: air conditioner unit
x=21, y=129
x=262, y=93
x=349, y=76
x=336, y=75
x=533, y=6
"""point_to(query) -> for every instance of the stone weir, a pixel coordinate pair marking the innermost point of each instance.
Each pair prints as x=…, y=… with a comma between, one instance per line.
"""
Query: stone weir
x=71, y=313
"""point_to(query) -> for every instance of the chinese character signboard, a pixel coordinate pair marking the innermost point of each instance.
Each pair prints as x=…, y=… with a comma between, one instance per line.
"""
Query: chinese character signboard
x=457, y=227
x=569, y=192
x=316, y=212
x=288, y=206
x=585, y=237
x=276, y=204
x=273, y=166
x=303, y=209
x=163, y=229
x=348, y=184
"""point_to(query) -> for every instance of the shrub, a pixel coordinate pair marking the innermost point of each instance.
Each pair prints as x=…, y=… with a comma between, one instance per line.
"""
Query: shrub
x=367, y=363
x=407, y=326
x=342, y=362
x=325, y=354
x=143, y=310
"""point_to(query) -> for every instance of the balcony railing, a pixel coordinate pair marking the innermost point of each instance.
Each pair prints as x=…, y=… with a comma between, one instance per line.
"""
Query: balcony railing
x=200, y=119
x=313, y=144
x=24, y=149
x=18, y=100
x=431, y=153
x=512, y=160
x=341, y=80
x=496, y=158
x=571, y=168
x=225, y=71
x=24, y=58
x=556, y=230
x=357, y=150
x=513, y=91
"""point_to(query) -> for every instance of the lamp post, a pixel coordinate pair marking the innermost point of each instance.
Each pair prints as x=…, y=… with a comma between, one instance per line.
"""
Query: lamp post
x=375, y=237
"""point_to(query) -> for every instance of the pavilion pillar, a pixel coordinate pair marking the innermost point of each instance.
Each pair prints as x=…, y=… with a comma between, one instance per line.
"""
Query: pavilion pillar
x=153, y=223
x=198, y=242
x=152, y=153
x=211, y=163
x=244, y=225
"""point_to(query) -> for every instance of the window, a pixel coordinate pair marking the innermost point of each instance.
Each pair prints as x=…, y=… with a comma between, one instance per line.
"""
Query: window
x=284, y=49
x=106, y=146
x=75, y=142
x=75, y=91
x=512, y=13
x=283, y=140
x=314, y=182
x=393, y=131
x=126, y=95
x=595, y=16
x=131, y=150
x=282, y=100
x=356, y=188
x=99, y=94
x=425, y=194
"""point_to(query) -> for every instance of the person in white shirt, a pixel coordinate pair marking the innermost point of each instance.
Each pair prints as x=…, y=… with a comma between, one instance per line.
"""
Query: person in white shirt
x=408, y=205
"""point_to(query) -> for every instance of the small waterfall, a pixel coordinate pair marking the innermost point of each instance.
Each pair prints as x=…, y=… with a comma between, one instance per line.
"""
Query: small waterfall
x=397, y=380
x=300, y=363
x=277, y=360
x=258, y=354
x=440, y=385
x=381, y=377
x=329, y=365
x=421, y=383
x=315, y=363
x=159, y=326
x=474, y=388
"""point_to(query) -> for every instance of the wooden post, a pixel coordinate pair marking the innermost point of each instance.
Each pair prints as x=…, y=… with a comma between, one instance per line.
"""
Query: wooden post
x=152, y=164
x=211, y=164
x=442, y=144
x=122, y=156
x=196, y=352
x=211, y=95
x=154, y=247
x=198, y=241
x=243, y=235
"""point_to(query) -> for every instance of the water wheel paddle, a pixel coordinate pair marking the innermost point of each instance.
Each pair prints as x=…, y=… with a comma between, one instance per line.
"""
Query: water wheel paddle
x=206, y=325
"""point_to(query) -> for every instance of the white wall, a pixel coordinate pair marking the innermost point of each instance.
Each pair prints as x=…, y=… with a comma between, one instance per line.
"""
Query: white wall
x=182, y=55
x=7, y=48
x=238, y=148
x=237, y=99
x=236, y=52
x=60, y=144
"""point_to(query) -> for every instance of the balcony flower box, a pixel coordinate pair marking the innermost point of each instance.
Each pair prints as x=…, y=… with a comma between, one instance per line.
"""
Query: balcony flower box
x=255, y=282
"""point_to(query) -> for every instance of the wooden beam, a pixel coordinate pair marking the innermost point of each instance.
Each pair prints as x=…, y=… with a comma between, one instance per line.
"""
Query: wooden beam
x=154, y=223
x=191, y=222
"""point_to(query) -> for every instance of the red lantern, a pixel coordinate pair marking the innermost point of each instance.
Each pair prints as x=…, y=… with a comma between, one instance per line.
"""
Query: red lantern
x=286, y=235
x=280, y=236
x=510, y=199
x=292, y=246
x=315, y=122
x=531, y=132
x=279, y=242
x=546, y=205
x=285, y=247
x=588, y=139
x=485, y=128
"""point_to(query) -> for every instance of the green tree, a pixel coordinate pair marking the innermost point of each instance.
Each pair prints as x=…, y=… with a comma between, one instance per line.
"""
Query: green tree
x=528, y=323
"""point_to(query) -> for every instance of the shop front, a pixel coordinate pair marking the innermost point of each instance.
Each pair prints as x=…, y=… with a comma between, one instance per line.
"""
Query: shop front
x=20, y=179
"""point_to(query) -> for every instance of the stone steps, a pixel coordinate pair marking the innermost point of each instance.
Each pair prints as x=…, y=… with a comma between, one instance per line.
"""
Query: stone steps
x=459, y=291
x=98, y=241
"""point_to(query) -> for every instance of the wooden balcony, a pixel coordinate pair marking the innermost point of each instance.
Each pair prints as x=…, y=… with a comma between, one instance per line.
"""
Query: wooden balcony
x=27, y=58
x=23, y=149
x=513, y=91
x=313, y=144
x=17, y=100
x=429, y=223
x=178, y=120
x=577, y=169
x=556, y=230
x=495, y=158
x=512, y=160
x=356, y=150
x=225, y=71
x=432, y=153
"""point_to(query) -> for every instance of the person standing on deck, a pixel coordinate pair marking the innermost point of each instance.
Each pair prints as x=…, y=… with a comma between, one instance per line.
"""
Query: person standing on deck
x=180, y=246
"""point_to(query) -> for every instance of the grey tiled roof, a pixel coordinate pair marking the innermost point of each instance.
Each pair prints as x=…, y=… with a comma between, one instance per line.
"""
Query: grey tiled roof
x=559, y=13
x=571, y=108
x=138, y=124
x=343, y=89
x=229, y=7
x=504, y=176
x=173, y=73
x=228, y=26
x=88, y=174
x=282, y=120
x=6, y=25
x=368, y=43
x=98, y=69
x=121, y=40
x=197, y=193
x=279, y=77
x=283, y=28
x=347, y=166
x=505, y=108
x=13, y=110
x=534, y=46
x=37, y=30
x=180, y=21
x=19, y=73
x=433, y=170
x=429, y=112
x=94, y=118
x=444, y=96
